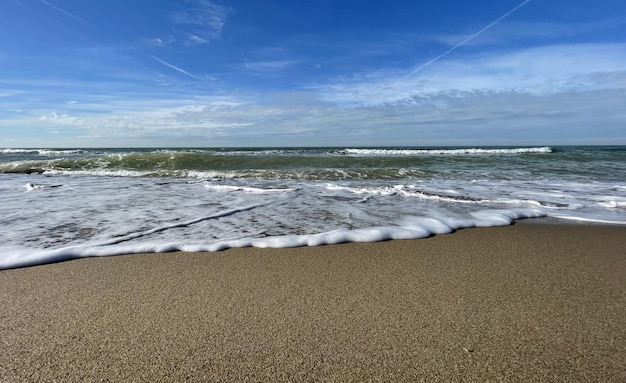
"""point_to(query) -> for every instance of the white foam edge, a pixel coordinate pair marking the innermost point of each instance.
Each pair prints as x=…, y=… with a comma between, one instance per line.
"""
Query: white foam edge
x=30, y=186
x=586, y=219
x=408, y=191
x=410, y=228
x=247, y=189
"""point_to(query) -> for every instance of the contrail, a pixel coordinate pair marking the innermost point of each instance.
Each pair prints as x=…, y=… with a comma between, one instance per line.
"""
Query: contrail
x=70, y=14
x=467, y=39
x=176, y=68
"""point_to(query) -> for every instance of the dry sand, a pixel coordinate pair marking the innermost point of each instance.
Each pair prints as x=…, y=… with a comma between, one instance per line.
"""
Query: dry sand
x=529, y=302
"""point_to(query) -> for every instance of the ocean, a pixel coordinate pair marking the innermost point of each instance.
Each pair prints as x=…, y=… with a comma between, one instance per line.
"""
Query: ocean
x=61, y=204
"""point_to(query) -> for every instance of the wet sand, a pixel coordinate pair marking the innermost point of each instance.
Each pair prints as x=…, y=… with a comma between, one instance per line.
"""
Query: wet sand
x=528, y=302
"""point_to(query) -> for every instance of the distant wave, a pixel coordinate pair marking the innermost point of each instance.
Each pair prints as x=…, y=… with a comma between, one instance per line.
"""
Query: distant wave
x=42, y=152
x=460, y=151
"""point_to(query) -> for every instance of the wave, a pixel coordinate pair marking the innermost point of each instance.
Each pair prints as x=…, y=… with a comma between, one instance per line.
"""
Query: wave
x=406, y=191
x=209, y=166
x=445, y=152
x=413, y=192
x=43, y=152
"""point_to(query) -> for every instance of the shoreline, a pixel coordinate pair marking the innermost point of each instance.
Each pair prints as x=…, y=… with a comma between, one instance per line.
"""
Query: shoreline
x=534, y=301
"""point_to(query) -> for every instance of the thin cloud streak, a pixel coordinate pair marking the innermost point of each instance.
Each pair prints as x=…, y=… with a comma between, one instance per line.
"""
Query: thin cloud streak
x=180, y=70
x=67, y=13
x=466, y=40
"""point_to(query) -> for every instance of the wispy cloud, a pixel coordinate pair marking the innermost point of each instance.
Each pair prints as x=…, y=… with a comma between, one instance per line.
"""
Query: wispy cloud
x=542, y=70
x=245, y=60
x=301, y=119
x=159, y=42
x=205, y=18
x=63, y=119
x=193, y=39
x=63, y=11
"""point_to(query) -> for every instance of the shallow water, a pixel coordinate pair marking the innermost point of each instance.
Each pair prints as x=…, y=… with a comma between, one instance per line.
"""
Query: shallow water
x=62, y=204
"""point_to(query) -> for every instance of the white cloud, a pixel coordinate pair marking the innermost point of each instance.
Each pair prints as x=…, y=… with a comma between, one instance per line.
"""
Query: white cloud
x=301, y=119
x=64, y=119
x=544, y=70
x=160, y=42
x=196, y=40
x=142, y=118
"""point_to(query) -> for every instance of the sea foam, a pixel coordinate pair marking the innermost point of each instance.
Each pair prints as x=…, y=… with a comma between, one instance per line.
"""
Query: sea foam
x=412, y=228
x=447, y=152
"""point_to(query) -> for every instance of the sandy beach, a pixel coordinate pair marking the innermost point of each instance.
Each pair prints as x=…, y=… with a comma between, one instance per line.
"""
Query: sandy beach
x=528, y=302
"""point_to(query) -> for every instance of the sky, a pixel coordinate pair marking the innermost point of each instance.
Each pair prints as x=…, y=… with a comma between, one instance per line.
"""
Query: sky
x=214, y=73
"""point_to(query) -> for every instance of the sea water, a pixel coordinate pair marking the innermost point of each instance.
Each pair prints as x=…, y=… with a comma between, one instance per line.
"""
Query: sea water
x=60, y=204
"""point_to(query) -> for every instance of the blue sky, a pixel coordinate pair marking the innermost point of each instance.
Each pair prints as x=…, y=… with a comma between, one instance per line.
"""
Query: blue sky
x=121, y=73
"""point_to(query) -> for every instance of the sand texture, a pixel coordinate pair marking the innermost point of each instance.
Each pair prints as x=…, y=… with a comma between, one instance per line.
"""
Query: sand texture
x=529, y=302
